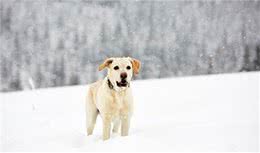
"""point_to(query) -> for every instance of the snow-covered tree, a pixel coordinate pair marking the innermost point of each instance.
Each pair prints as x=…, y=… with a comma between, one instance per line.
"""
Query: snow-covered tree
x=54, y=43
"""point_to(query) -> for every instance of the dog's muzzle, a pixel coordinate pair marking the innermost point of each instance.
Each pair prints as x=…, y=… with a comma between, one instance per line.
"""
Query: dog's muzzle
x=122, y=83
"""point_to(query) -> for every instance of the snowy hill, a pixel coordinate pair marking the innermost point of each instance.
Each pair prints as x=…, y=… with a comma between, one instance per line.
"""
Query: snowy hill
x=204, y=113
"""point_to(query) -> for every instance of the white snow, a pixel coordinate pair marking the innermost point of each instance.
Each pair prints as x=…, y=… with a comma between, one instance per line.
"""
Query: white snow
x=203, y=113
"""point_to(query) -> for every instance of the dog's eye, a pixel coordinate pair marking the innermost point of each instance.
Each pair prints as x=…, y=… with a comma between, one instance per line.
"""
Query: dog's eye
x=116, y=68
x=128, y=67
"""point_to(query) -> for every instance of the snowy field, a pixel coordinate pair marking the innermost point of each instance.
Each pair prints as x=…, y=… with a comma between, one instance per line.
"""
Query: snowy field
x=203, y=113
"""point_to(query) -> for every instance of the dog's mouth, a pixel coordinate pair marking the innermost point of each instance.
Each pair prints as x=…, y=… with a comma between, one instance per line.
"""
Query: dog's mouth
x=123, y=83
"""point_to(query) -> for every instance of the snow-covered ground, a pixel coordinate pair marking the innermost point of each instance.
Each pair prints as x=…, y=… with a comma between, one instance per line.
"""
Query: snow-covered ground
x=203, y=113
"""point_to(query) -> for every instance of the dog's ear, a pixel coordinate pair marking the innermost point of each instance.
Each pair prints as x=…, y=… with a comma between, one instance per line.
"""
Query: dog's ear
x=106, y=63
x=136, y=65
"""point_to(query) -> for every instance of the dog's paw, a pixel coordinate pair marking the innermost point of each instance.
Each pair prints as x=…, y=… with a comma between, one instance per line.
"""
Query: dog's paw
x=123, y=134
x=105, y=138
x=89, y=131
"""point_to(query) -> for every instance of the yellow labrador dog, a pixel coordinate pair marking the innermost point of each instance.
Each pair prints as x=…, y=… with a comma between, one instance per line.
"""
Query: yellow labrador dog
x=112, y=96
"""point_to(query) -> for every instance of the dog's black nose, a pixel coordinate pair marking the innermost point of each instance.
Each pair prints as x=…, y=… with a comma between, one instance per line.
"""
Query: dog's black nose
x=123, y=75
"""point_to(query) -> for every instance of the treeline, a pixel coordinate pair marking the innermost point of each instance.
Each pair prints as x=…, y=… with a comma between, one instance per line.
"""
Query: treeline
x=55, y=43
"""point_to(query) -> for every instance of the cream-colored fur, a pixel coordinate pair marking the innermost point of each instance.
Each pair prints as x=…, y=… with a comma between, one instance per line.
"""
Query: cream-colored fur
x=115, y=105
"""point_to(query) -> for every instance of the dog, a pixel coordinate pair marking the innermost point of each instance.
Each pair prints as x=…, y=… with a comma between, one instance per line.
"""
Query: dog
x=112, y=97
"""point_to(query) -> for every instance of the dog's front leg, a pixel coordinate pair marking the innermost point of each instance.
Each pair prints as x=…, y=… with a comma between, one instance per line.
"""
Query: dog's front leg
x=106, y=126
x=125, y=123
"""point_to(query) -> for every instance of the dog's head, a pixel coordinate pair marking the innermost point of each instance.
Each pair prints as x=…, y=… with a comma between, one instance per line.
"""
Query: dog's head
x=120, y=71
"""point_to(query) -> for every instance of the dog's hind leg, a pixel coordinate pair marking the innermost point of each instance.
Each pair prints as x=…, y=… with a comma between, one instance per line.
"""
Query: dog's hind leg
x=91, y=121
x=106, y=125
x=116, y=125
x=125, y=123
x=91, y=114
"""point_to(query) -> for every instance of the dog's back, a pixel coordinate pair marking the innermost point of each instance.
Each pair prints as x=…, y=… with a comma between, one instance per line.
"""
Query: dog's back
x=92, y=91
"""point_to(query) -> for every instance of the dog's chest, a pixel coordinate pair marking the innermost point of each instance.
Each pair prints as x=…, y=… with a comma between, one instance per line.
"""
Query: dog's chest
x=119, y=105
x=119, y=101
